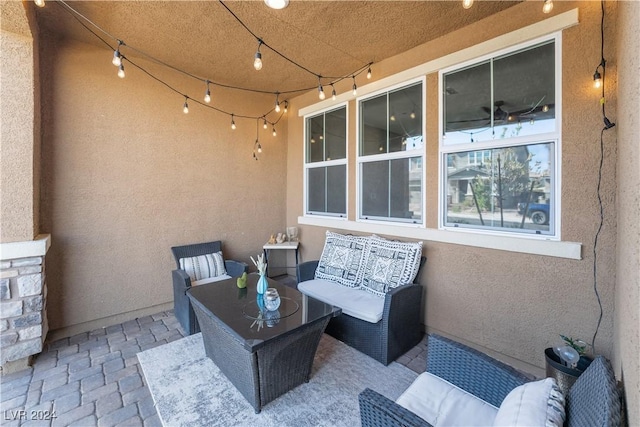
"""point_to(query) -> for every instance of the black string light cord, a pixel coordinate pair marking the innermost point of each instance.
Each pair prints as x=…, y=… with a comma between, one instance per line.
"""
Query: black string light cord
x=261, y=42
x=607, y=125
x=86, y=22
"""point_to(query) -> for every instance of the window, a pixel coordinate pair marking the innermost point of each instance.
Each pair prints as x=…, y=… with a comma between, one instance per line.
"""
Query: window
x=500, y=141
x=326, y=163
x=390, y=155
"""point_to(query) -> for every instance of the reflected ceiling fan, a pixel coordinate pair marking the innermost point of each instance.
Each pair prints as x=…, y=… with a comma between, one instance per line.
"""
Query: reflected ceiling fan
x=501, y=115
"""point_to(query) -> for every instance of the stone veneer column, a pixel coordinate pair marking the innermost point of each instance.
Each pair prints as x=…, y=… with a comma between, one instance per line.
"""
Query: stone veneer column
x=23, y=295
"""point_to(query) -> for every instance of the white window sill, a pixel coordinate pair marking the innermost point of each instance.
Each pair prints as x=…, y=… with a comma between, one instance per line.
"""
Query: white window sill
x=520, y=244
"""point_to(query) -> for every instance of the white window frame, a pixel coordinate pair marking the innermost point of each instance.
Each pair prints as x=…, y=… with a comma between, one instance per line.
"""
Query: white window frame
x=554, y=137
x=360, y=159
x=326, y=163
x=524, y=244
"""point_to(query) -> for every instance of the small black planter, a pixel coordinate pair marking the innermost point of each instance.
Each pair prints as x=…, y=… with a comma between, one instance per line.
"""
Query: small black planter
x=565, y=376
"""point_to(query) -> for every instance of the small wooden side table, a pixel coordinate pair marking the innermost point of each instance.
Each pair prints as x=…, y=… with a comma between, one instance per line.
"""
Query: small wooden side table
x=286, y=246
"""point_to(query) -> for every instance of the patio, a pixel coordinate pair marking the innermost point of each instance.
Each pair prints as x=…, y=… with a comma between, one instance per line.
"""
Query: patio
x=102, y=174
x=94, y=378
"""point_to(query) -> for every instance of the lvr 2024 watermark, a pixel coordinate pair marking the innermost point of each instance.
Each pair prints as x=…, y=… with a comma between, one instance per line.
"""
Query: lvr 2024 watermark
x=29, y=414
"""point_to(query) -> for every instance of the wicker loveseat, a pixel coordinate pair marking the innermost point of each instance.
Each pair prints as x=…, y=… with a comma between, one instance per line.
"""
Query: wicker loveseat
x=592, y=401
x=182, y=281
x=393, y=331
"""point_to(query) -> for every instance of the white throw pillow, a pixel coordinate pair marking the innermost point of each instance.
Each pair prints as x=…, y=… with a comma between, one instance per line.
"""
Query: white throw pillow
x=203, y=266
x=538, y=403
x=441, y=403
x=389, y=264
x=341, y=259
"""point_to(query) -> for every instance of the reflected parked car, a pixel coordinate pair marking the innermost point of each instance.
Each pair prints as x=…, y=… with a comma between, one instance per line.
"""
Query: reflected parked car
x=537, y=212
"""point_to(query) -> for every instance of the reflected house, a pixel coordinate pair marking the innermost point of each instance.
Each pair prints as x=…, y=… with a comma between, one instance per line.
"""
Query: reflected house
x=465, y=167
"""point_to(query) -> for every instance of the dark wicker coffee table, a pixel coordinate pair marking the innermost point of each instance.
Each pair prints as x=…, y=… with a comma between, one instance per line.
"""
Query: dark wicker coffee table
x=264, y=354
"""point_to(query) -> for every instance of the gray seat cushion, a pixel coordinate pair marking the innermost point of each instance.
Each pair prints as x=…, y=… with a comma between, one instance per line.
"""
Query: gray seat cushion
x=353, y=301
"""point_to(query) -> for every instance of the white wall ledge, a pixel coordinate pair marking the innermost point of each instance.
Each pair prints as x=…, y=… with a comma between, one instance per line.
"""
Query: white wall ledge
x=32, y=248
x=520, y=244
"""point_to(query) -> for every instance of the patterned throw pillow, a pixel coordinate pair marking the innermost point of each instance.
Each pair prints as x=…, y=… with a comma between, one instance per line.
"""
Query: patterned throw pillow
x=341, y=259
x=389, y=264
x=203, y=266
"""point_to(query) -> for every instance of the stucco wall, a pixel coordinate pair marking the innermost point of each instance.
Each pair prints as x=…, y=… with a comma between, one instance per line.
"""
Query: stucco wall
x=512, y=304
x=627, y=321
x=126, y=175
x=19, y=130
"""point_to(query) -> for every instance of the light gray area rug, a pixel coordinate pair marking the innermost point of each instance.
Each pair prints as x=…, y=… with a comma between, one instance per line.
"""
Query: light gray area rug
x=189, y=390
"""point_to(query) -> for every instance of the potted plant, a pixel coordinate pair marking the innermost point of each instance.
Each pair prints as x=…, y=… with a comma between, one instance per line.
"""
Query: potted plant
x=567, y=361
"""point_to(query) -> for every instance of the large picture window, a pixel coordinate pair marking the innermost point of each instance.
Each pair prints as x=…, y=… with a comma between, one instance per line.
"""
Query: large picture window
x=499, y=141
x=390, y=155
x=326, y=163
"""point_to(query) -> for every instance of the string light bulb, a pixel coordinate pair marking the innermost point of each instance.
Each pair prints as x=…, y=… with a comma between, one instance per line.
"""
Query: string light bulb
x=117, y=58
x=321, y=92
x=39, y=3
x=185, y=107
x=597, y=80
x=369, y=73
x=257, y=62
x=467, y=3
x=545, y=108
x=264, y=125
x=333, y=92
x=277, y=104
x=548, y=6
x=355, y=87
x=207, y=94
x=412, y=115
x=259, y=147
x=286, y=106
x=121, y=71
x=273, y=131
x=233, y=123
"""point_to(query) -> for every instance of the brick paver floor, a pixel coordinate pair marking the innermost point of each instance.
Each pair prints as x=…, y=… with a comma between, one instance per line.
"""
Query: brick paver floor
x=94, y=378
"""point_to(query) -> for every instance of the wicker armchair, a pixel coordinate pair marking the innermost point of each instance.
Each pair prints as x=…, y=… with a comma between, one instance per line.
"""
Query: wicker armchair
x=181, y=281
x=397, y=332
x=592, y=401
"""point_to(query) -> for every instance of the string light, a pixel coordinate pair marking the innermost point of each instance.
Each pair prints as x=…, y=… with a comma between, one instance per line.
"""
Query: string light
x=257, y=63
x=545, y=108
x=369, y=73
x=597, y=77
x=286, y=106
x=393, y=117
x=207, y=94
x=273, y=131
x=264, y=126
x=117, y=59
x=412, y=115
x=548, y=5
x=355, y=87
x=333, y=92
x=185, y=107
x=259, y=147
x=597, y=80
x=39, y=3
x=320, y=89
x=467, y=3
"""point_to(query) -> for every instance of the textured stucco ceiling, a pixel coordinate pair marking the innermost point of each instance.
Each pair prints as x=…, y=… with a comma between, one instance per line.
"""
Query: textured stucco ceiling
x=331, y=38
